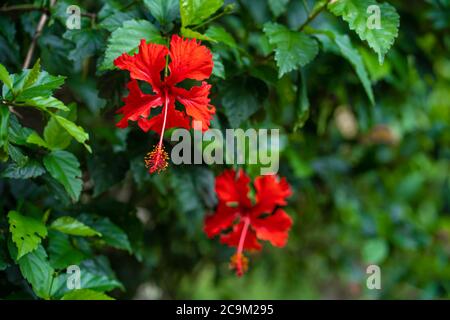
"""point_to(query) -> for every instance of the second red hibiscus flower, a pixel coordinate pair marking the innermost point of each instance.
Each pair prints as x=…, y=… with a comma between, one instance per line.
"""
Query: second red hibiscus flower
x=250, y=221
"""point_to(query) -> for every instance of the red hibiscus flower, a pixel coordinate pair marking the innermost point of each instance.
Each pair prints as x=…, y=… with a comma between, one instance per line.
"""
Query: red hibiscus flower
x=249, y=221
x=188, y=60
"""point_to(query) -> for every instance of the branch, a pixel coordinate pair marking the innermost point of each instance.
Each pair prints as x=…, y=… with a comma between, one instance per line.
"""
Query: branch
x=316, y=11
x=37, y=34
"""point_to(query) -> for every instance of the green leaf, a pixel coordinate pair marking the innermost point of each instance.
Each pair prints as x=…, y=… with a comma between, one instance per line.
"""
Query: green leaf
x=350, y=53
x=65, y=168
x=127, y=38
x=194, y=12
x=218, y=69
x=4, y=125
x=165, y=11
x=85, y=294
x=219, y=34
x=111, y=233
x=292, y=49
x=3, y=260
x=57, y=137
x=31, y=169
x=17, y=155
x=43, y=103
x=17, y=134
x=358, y=16
x=111, y=17
x=4, y=76
x=87, y=43
x=33, y=75
x=375, y=251
x=75, y=131
x=38, y=272
x=242, y=98
x=62, y=252
x=27, y=232
x=36, y=139
x=302, y=102
x=72, y=226
x=96, y=274
x=43, y=86
x=278, y=7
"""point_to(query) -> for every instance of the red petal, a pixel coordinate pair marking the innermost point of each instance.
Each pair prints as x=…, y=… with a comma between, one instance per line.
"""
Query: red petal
x=270, y=192
x=175, y=118
x=137, y=104
x=274, y=228
x=232, y=238
x=220, y=220
x=196, y=102
x=146, y=65
x=189, y=60
x=233, y=189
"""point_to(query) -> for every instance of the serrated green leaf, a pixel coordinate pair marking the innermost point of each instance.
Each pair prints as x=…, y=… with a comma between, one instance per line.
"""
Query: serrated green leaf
x=111, y=17
x=33, y=74
x=85, y=294
x=44, y=85
x=219, y=34
x=87, y=43
x=165, y=11
x=27, y=232
x=194, y=12
x=357, y=14
x=43, y=103
x=35, y=267
x=72, y=226
x=17, y=134
x=127, y=38
x=17, y=155
x=31, y=169
x=4, y=76
x=57, y=137
x=292, y=49
x=65, y=168
x=62, y=253
x=75, y=131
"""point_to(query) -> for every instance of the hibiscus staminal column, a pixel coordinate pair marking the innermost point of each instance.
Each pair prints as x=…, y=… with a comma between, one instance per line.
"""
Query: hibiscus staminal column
x=156, y=160
x=239, y=262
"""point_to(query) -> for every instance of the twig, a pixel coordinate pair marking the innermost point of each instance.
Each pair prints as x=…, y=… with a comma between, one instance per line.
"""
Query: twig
x=40, y=26
x=217, y=16
x=314, y=14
